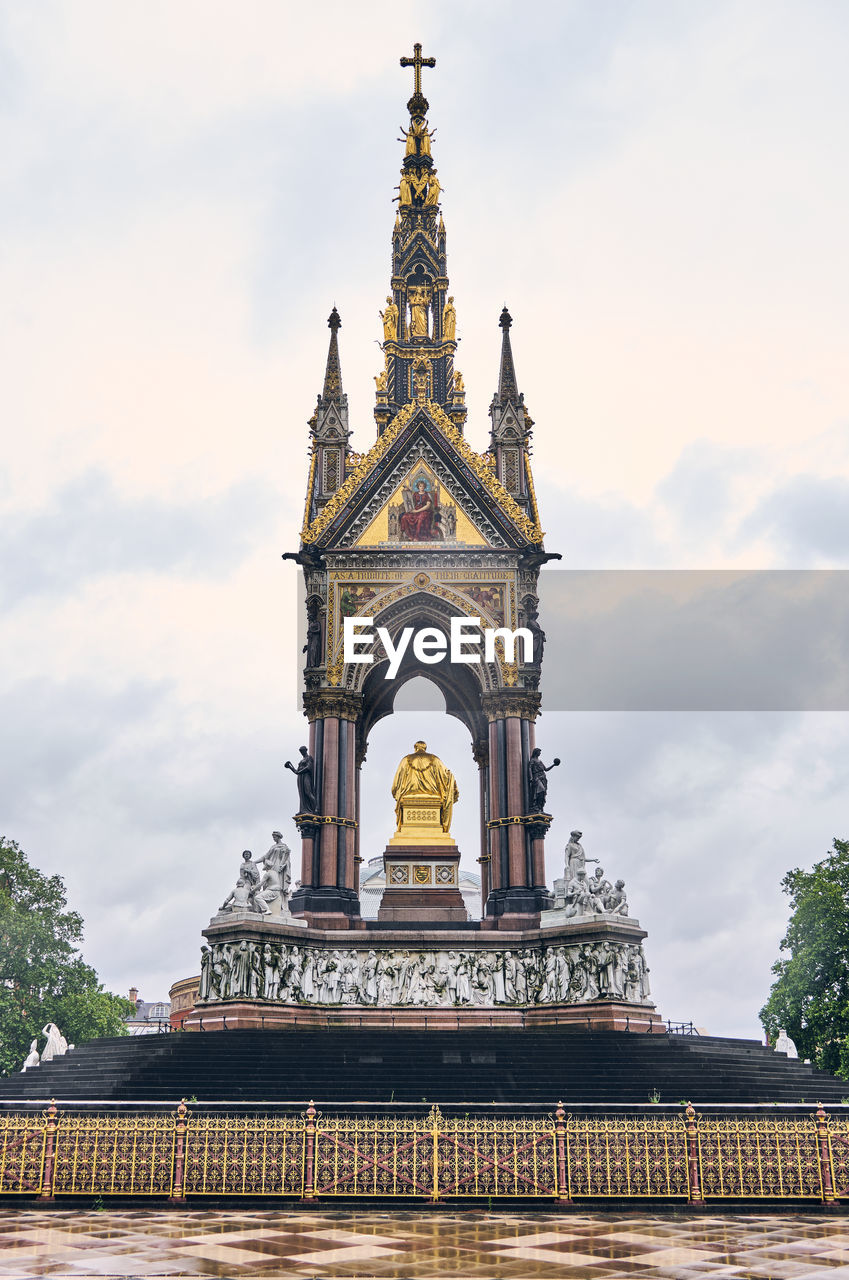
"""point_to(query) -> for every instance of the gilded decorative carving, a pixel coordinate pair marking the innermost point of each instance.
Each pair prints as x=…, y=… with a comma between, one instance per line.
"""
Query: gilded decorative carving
x=310, y=532
x=310, y=488
x=531, y=490
x=530, y=529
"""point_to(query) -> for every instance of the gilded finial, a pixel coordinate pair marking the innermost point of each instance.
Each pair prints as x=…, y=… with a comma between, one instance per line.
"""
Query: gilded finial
x=334, y=321
x=505, y=319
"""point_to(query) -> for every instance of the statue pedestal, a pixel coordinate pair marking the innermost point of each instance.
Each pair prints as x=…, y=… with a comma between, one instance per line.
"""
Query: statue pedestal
x=421, y=826
x=422, y=884
x=244, y=917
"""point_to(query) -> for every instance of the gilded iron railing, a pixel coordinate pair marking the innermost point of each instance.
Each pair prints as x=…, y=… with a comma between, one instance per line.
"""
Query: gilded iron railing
x=759, y=1157
x=244, y=1155
x=374, y=1156
x=512, y=1156
x=627, y=1157
x=838, y=1151
x=433, y=1156
x=756, y=1155
x=98, y=1153
x=22, y=1139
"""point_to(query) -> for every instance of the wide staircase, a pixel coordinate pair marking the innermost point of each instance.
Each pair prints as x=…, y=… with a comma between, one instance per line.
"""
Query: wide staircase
x=347, y=1066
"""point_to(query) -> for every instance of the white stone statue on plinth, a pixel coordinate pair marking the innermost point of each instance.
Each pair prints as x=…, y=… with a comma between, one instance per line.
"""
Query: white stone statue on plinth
x=56, y=1045
x=784, y=1044
x=32, y=1059
x=277, y=876
x=267, y=895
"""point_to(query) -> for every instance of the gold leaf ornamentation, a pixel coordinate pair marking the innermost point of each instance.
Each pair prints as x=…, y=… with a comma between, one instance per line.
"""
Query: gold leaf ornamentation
x=477, y=463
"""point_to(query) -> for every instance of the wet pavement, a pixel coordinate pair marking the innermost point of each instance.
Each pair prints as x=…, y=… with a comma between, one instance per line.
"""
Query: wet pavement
x=424, y=1245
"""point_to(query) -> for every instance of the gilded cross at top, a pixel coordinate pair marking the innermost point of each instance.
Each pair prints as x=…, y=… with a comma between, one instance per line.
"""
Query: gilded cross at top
x=417, y=62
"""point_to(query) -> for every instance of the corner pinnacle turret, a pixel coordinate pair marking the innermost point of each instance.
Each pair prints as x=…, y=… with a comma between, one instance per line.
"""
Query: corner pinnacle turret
x=419, y=319
x=329, y=428
x=511, y=424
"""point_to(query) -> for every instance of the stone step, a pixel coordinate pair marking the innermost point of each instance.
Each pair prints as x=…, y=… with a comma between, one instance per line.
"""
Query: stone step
x=349, y=1065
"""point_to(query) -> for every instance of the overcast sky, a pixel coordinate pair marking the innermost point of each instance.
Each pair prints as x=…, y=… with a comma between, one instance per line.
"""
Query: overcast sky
x=659, y=192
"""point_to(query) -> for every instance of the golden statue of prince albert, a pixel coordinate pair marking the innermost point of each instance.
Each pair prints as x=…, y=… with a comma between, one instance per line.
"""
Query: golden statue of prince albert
x=425, y=793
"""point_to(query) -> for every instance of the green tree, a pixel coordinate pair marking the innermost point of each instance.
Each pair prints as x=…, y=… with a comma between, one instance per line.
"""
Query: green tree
x=810, y=997
x=42, y=976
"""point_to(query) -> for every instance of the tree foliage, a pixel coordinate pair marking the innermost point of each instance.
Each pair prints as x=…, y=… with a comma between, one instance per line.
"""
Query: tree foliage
x=43, y=978
x=810, y=996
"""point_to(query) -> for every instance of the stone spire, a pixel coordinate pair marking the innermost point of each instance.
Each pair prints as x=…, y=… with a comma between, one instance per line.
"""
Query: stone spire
x=508, y=392
x=511, y=422
x=419, y=318
x=333, y=373
x=329, y=427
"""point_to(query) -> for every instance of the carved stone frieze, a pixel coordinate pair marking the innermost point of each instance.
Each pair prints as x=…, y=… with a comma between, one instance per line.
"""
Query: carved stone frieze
x=449, y=558
x=569, y=973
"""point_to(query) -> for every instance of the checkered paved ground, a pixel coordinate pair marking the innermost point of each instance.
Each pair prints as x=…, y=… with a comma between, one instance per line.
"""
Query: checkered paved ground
x=421, y=1245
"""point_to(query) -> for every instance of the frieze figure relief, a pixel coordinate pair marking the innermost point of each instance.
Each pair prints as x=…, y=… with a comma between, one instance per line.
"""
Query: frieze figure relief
x=572, y=973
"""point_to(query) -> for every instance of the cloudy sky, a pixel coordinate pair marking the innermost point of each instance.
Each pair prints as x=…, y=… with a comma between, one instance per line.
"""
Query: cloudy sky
x=657, y=190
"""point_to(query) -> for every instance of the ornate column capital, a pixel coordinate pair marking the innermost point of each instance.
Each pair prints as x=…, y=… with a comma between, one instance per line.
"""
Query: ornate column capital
x=319, y=704
x=524, y=703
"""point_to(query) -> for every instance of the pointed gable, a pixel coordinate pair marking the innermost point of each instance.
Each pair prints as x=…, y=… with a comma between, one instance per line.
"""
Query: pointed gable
x=423, y=434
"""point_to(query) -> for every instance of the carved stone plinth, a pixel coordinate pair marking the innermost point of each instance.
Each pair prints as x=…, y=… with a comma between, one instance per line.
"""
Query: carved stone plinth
x=422, y=885
x=260, y=1015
